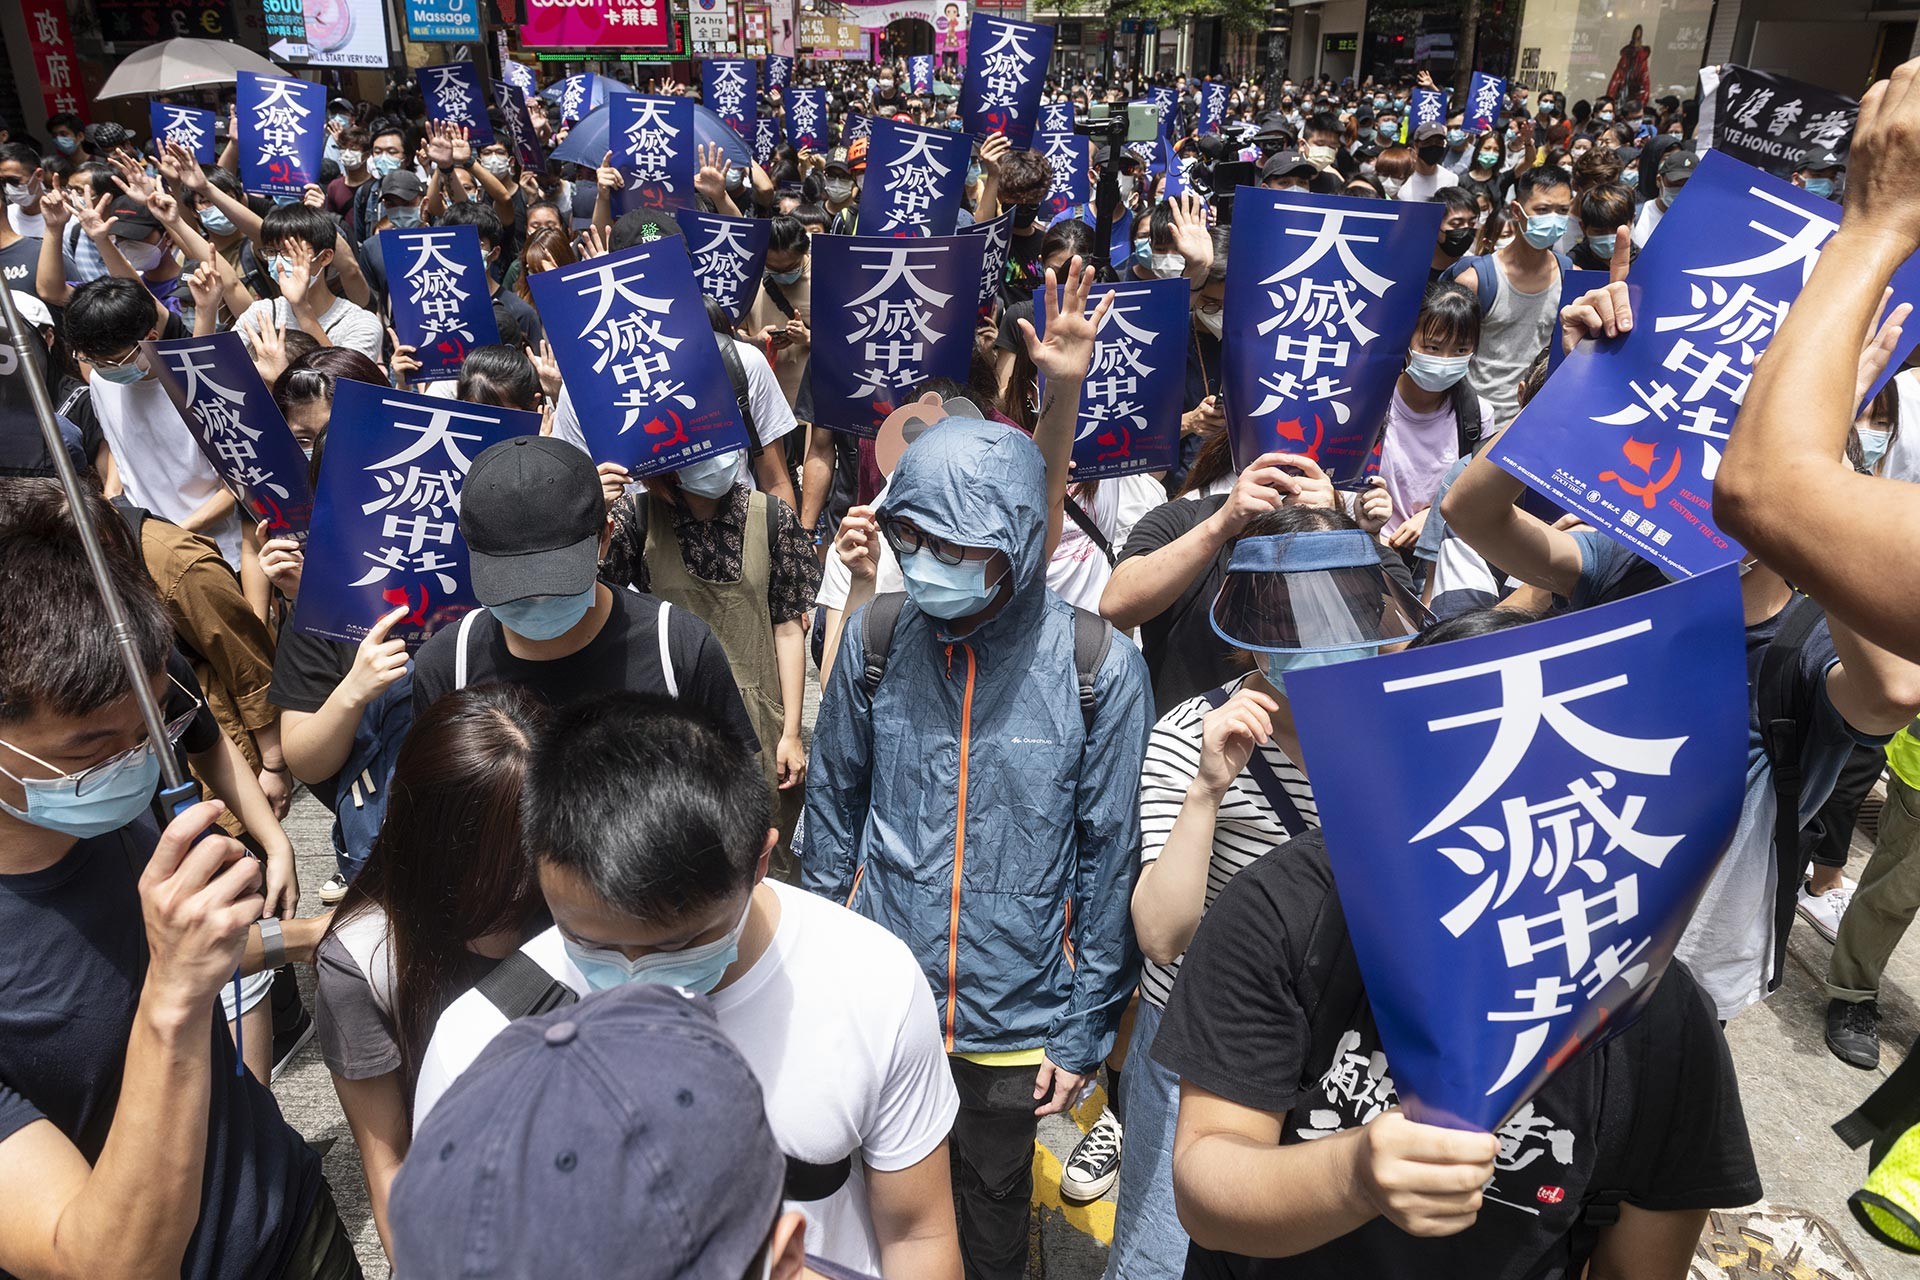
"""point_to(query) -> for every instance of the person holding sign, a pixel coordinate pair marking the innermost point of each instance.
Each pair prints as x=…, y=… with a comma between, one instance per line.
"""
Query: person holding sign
x=300, y=242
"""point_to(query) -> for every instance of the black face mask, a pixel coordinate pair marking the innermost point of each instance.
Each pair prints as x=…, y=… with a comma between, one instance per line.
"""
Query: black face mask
x=1433, y=154
x=1025, y=215
x=1455, y=243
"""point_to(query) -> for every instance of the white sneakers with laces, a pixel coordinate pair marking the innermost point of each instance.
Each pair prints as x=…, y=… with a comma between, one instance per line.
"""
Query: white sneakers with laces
x=1094, y=1165
x=1823, y=911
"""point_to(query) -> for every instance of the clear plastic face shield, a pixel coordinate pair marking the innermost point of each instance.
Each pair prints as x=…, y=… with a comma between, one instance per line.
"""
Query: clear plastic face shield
x=1319, y=590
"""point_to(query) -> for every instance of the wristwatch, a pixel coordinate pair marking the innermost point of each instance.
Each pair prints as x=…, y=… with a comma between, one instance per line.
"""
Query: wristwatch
x=273, y=942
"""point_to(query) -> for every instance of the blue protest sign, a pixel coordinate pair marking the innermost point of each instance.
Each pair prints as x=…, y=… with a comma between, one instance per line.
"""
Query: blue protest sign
x=855, y=127
x=520, y=76
x=1427, y=106
x=729, y=255
x=455, y=94
x=807, y=118
x=1628, y=434
x=920, y=72
x=1129, y=418
x=1070, y=183
x=1486, y=102
x=766, y=140
x=1213, y=105
x=437, y=286
x=887, y=315
x=190, y=127
x=1572, y=285
x=1176, y=184
x=512, y=100
x=998, y=235
x=914, y=180
x=1006, y=69
x=1055, y=117
x=386, y=522
x=231, y=415
x=653, y=147
x=630, y=333
x=443, y=21
x=779, y=71
x=1322, y=294
x=1520, y=839
x=578, y=96
x=281, y=133
x=1165, y=99
x=726, y=85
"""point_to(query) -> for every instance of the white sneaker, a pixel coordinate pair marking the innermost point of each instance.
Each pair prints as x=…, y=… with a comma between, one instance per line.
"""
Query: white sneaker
x=1823, y=911
x=1094, y=1166
x=333, y=890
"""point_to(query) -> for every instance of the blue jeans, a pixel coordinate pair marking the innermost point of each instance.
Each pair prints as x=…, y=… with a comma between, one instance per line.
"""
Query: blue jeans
x=1148, y=1241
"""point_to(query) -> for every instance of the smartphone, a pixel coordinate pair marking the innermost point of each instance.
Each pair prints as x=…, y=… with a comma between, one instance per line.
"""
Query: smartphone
x=1097, y=111
x=1143, y=122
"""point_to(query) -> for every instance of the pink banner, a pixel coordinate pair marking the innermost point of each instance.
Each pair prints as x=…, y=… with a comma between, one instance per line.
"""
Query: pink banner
x=579, y=24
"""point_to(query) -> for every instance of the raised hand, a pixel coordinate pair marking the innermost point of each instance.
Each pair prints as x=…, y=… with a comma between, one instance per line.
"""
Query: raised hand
x=858, y=543
x=204, y=285
x=460, y=144
x=298, y=274
x=547, y=367
x=268, y=338
x=439, y=145
x=1190, y=234
x=94, y=222
x=180, y=166
x=710, y=179
x=1066, y=353
x=312, y=196
x=591, y=243
x=608, y=175
x=995, y=149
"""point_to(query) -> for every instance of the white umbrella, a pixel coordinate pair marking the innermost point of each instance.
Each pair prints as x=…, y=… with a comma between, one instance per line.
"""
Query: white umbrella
x=173, y=65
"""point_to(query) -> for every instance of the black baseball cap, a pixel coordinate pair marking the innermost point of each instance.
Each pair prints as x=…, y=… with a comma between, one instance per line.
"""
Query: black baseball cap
x=532, y=513
x=1285, y=164
x=1678, y=164
x=1430, y=132
x=1821, y=158
x=402, y=184
x=131, y=219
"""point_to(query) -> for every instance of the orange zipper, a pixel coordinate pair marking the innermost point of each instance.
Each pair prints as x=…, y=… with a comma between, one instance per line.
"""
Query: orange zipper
x=1066, y=937
x=959, y=843
x=856, y=884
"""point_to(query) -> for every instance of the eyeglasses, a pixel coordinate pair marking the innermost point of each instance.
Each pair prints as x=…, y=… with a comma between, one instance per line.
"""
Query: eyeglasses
x=95, y=774
x=117, y=362
x=908, y=539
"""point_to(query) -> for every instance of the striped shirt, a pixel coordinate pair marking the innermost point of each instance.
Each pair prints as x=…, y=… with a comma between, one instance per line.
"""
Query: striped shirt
x=1245, y=827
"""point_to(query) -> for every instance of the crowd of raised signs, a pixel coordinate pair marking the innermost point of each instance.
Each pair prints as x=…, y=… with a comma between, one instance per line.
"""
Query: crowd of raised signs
x=1131, y=462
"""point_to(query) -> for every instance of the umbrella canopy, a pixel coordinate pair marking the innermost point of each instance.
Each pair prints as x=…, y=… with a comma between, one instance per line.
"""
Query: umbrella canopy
x=586, y=142
x=174, y=65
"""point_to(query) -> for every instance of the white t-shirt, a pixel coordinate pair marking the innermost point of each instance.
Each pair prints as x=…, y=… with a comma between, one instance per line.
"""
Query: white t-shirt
x=1078, y=572
x=772, y=415
x=1643, y=226
x=345, y=324
x=161, y=467
x=1421, y=186
x=840, y=1029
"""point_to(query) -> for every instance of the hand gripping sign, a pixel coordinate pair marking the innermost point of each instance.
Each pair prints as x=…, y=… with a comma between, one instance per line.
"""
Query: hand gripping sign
x=1322, y=296
x=1628, y=434
x=631, y=336
x=1520, y=841
x=386, y=520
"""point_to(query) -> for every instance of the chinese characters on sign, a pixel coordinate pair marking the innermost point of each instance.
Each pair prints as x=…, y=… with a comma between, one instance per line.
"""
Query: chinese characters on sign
x=779, y=70
x=728, y=256
x=889, y=314
x=1213, y=105
x=998, y=233
x=442, y=307
x=280, y=133
x=1006, y=69
x=1486, y=101
x=386, y=519
x=1320, y=307
x=1069, y=184
x=1056, y=117
x=642, y=369
x=1629, y=435
x=1549, y=803
x=653, y=147
x=913, y=180
x=807, y=118
x=443, y=21
x=1129, y=416
x=50, y=45
x=512, y=100
x=1771, y=122
x=221, y=397
x=766, y=140
x=190, y=127
x=456, y=96
x=920, y=72
x=578, y=96
x=726, y=86
x=1428, y=106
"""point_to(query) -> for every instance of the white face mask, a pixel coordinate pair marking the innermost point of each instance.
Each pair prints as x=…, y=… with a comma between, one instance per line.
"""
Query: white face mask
x=141, y=256
x=1214, y=322
x=1168, y=265
x=352, y=159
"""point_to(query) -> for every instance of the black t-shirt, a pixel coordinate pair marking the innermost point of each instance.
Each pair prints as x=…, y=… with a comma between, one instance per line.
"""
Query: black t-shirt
x=72, y=968
x=1242, y=1024
x=1184, y=655
x=307, y=668
x=18, y=262
x=1025, y=270
x=625, y=655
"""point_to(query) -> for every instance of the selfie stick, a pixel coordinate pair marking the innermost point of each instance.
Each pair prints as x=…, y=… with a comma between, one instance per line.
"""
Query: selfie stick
x=177, y=790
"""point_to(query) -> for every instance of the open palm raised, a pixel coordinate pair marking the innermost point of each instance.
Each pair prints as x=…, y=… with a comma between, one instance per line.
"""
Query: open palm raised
x=1067, y=350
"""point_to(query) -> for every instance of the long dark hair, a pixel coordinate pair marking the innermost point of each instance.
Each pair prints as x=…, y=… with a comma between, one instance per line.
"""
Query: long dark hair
x=448, y=866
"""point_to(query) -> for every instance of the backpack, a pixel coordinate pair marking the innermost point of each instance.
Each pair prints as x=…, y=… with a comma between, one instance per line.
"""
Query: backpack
x=1092, y=637
x=1486, y=280
x=360, y=788
x=1785, y=705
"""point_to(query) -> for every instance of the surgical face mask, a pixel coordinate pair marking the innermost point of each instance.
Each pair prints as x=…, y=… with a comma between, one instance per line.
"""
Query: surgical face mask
x=382, y=165
x=839, y=190
x=693, y=969
x=947, y=590
x=973, y=174
x=1319, y=157
x=1630, y=176
x=1455, y=137
x=1386, y=133
x=498, y=166
x=786, y=277
x=1128, y=185
x=352, y=159
x=140, y=255
x=125, y=375
x=1669, y=192
x=1601, y=245
x=1456, y=242
x=66, y=143
x=1604, y=117
x=712, y=476
x=1489, y=159
x=1391, y=186
x=1278, y=664
x=214, y=221
x=404, y=215
x=337, y=121
x=116, y=792
x=1821, y=188
x=1873, y=444
x=19, y=194
x=1436, y=373
x=543, y=617
x=1214, y=322
x=1168, y=265
x=886, y=86
x=1544, y=230
x=736, y=179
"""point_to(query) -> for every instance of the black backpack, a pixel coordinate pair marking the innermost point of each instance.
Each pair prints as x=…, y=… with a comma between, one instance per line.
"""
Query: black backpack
x=1785, y=704
x=1092, y=637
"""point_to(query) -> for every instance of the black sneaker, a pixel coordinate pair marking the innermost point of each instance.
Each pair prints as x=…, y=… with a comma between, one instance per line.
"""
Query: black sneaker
x=1853, y=1032
x=1094, y=1166
x=288, y=1041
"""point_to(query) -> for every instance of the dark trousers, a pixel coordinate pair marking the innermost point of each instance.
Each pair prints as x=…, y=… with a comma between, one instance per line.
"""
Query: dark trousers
x=323, y=1251
x=992, y=1156
x=1842, y=809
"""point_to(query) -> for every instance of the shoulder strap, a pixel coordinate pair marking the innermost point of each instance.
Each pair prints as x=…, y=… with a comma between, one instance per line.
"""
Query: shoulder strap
x=778, y=296
x=1466, y=417
x=1626, y=1148
x=1783, y=708
x=1486, y=282
x=666, y=651
x=742, y=390
x=876, y=636
x=460, y=646
x=73, y=398
x=519, y=988
x=1084, y=522
x=1265, y=778
x=1092, y=638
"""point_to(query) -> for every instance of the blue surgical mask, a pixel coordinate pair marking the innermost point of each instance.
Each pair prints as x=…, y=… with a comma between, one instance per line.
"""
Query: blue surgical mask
x=382, y=165
x=125, y=375
x=1387, y=134
x=215, y=222
x=1873, y=444
x=66, y=144
x=1436, y=373
x=404, y=215
x=337, y=121
x=1544, y=230
x=712, y=476
x=1820, y=187
x=693, y=969
x=947, y=590
x=1455, y=137
x=116, y=794
x=1278, y=664
x=973, y=174
x=786, y=277
x=543, y=617
x=1601, y=244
